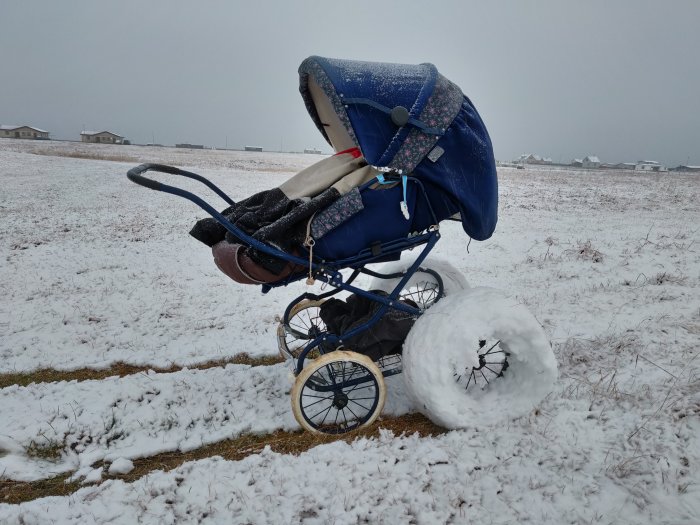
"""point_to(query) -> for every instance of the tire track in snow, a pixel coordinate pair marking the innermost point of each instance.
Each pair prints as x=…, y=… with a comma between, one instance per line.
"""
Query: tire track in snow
x=50, y=375
x=141, y=415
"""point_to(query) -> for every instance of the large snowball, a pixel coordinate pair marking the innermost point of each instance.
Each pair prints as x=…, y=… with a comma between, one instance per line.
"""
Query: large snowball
x=444, y=343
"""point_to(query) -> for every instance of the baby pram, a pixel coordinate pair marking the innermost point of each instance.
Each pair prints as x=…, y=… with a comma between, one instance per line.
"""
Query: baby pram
x=413, y=152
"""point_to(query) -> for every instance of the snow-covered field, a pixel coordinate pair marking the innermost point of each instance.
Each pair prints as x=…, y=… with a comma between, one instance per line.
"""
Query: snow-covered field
x=96, y=270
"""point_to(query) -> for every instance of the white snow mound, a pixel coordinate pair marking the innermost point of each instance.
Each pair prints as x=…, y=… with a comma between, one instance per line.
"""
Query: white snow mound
x=121, y=466
x=441, y=351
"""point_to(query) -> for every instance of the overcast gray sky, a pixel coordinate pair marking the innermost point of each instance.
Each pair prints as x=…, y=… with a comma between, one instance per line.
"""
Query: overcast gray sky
x=617, y=79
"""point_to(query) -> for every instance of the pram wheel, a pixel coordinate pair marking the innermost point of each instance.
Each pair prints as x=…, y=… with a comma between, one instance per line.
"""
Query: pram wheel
x=338, y=392
x=305, y=324
x=433, y=281
x=493, y=363
x=424, y=289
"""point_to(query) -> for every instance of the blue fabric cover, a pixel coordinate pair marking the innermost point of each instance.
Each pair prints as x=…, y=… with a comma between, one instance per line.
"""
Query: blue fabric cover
x=381, y=220
x=462, y=179
x=466, y=172
x=389, y=85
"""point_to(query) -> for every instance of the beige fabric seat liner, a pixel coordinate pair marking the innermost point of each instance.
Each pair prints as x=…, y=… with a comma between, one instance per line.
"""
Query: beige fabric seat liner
x=343, y=172
x=337, y=134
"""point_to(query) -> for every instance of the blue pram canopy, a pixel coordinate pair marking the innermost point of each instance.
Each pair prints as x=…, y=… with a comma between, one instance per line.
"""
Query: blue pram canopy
x=413, y=120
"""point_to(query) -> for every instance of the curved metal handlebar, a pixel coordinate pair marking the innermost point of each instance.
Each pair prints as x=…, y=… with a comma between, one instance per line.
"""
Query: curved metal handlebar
x=135, y=175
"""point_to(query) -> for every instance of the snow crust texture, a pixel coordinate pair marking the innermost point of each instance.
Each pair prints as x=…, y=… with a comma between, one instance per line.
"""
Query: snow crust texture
x=97, y=271
x=440, y=353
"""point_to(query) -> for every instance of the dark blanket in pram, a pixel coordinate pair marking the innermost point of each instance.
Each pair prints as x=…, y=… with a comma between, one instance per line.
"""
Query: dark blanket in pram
x=269, y=216
x=283, y=217
x=385, y=337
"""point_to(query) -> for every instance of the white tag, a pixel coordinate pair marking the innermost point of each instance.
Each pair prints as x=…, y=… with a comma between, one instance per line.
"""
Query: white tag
x=404, y=210
x=435, y=153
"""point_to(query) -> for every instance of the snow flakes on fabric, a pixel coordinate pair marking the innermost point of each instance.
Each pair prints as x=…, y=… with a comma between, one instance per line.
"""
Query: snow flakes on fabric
x=441, y=109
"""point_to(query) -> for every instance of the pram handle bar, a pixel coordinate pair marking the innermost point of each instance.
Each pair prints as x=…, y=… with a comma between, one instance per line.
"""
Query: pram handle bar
x=134, y=175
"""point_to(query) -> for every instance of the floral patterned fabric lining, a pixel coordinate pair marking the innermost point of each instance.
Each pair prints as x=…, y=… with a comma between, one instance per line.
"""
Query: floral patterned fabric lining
x=441, y=109
x=337, y=213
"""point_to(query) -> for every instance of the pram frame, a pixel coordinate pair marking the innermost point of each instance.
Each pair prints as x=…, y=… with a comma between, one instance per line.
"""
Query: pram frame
x=325, y=271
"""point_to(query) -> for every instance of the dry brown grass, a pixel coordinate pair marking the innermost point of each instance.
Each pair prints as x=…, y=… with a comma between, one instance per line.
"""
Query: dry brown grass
x=83, y=155
x=283, y=442
x=48, y=450
x=232, y=449
x=50, y=375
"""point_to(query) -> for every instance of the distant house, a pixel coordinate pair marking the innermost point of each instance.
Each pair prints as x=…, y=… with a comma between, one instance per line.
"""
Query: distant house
x=530, y=158
x=624, y=166
x=577, y=163
x=590, y=162
x=189, y=146
x=312, y=150
x=649, y=165
x=253, y=148
x=101, y=137
x=23, y=132
x=692, y=169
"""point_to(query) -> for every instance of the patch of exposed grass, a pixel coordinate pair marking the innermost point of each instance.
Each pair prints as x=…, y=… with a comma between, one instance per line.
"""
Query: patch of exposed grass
x=49, y=450
x=585, y=251
x=665, y=277
x=234, y=449
x=18, y=491
x=50, y=375
x=84, y=155
x=245, y=359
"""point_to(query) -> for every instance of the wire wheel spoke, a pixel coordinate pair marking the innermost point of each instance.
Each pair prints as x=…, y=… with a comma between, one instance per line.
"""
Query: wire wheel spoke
x=319, y=401
x=493, y=362
x=326, y=410
x=326, y=415
x=423, y=293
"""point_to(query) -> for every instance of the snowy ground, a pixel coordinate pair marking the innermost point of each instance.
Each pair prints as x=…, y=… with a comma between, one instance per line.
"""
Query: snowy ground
x=96, y=270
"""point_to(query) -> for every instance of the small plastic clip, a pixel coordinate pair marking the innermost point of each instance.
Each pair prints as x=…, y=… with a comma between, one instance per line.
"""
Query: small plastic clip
x=404, y=204
x=404, y=210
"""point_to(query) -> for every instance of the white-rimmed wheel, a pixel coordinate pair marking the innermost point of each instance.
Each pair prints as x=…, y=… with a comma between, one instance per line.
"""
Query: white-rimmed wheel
x=338, y=392
x=305, y=324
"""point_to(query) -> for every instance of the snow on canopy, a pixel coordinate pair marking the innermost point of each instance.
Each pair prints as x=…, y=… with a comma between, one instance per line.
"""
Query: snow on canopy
x=410, y=119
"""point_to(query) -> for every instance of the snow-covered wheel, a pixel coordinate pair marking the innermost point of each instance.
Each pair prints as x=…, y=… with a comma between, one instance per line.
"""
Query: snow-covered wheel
x=477, y=358
x=423, y=288
x=304, y=324
x=338, y=392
